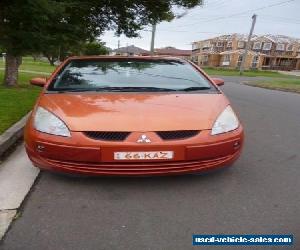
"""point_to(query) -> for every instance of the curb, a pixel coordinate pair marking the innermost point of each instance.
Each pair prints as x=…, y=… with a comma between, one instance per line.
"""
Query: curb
x=17, y=176
x=12, y=135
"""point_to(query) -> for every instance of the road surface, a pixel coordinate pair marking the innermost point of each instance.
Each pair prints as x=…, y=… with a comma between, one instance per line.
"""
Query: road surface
x=258, y=195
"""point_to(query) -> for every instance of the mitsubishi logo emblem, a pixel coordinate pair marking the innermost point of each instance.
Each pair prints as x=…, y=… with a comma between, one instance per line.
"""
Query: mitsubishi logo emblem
x=143, y=139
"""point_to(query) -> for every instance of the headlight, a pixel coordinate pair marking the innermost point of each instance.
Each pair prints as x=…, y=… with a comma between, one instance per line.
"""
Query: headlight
x=227, y=121
x=46, y=122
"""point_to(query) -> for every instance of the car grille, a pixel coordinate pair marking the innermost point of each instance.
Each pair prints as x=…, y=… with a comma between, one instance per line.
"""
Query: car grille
x=177, y=135
x=140, y=168
x=107, y=136
x=121, y=136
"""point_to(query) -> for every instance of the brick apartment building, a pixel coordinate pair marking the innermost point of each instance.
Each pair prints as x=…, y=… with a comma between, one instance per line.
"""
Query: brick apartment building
x=268, y=52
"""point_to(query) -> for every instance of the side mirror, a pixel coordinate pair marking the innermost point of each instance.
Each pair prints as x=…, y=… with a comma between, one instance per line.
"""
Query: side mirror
x=218, y=81
x=41, y=82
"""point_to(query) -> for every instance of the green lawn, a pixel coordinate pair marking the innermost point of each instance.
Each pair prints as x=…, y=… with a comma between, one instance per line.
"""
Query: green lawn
x=30, y=64
x=290, y=85
x=250, y=73
x=16, y=102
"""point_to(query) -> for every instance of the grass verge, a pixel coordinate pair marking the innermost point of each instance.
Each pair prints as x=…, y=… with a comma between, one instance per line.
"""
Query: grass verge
x=16, y=102
x=288, y=85
x=29, y=64
x=249, y=73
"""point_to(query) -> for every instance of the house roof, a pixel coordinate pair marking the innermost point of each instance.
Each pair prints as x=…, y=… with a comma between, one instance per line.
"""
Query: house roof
x=278, y=39
x=230, y=37
x=267, y=37
x=132, y=50
x=173, y=51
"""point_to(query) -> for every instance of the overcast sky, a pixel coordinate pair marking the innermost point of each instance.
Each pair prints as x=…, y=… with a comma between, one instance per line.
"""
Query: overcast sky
x=217, y=17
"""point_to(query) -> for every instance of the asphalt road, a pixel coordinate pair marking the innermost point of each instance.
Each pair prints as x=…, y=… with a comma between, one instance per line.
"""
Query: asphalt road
x=258, y=195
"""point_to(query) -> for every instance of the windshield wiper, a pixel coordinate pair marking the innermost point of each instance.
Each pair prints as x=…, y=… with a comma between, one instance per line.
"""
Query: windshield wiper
x=117, y=89
x=194, y=88
x=137, y=89
x=74, y=90
x=130, y=89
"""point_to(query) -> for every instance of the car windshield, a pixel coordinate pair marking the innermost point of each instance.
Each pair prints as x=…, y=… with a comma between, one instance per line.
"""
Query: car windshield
x=129, y=75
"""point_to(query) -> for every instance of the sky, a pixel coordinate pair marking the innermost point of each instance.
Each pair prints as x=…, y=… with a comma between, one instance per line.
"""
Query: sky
x=218, y=17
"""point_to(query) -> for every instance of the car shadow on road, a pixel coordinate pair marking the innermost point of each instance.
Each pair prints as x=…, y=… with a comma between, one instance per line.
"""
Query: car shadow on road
x=206, y=176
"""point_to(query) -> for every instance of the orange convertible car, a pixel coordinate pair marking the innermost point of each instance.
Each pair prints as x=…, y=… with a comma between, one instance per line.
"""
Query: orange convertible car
x=131, y=116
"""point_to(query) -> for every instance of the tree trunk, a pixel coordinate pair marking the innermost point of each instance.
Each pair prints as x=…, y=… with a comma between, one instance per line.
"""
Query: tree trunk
x=51, y=59
x=12, y=64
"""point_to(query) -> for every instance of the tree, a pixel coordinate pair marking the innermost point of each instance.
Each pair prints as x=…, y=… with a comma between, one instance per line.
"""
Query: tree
x=56, y=50
x=28, y=26
x=95, y=48
x=22, y=26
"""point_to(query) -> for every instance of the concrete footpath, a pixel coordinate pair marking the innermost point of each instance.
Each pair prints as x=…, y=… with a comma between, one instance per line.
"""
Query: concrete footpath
x=31, y=71
x=17, y=175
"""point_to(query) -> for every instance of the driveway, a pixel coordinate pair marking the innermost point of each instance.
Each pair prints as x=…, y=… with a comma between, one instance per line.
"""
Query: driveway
x=258, y=195
x=292, y=73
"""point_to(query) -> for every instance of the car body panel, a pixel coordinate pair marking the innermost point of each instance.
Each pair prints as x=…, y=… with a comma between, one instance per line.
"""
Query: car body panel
x=135, y=111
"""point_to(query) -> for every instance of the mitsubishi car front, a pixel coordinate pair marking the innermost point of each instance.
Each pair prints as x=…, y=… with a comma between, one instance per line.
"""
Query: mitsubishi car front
x=132, y=116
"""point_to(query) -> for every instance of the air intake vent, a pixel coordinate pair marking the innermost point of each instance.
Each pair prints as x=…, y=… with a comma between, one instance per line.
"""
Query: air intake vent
x=177, y=135
x=107, y=136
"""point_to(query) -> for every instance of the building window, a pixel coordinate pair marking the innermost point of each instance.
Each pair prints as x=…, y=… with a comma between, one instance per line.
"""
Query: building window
x=267, y=46
x=241, y=44
x=229, y=44
x=255, y=61
x=285, y=63
x=226, y=60
x=280, y=46
x=206, y=44
x=194, y=58
x=290, y=47
x=257, y=45
x=205, y=58
x=219, y=44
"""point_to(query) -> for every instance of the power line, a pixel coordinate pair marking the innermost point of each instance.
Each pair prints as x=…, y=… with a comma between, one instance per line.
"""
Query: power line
x=217, y=6
x=240, y=13
x=280, y=22
x=283, y=18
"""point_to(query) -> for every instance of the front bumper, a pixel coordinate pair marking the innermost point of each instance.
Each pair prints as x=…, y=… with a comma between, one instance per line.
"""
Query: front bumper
x=131, y=169
x=79, y=155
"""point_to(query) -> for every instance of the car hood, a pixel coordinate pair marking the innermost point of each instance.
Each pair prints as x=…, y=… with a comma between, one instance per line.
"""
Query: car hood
x=135, y=111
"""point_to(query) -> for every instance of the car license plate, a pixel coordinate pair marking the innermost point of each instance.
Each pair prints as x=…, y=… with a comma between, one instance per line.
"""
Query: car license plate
x=149, y=155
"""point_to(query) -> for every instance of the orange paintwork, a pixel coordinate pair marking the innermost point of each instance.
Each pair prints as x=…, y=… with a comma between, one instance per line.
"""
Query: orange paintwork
x=139, y=113
x=135, y=111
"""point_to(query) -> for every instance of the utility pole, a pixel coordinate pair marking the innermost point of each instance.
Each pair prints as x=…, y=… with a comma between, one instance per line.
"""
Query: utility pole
x=118, y=44
x=153, y=39
x=248, y=44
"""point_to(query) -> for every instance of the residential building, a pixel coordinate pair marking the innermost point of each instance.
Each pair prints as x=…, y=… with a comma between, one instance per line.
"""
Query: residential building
x=166, y=51
x=279, y=52
x=266, y=52
x=171, y=51
x=130, y=51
